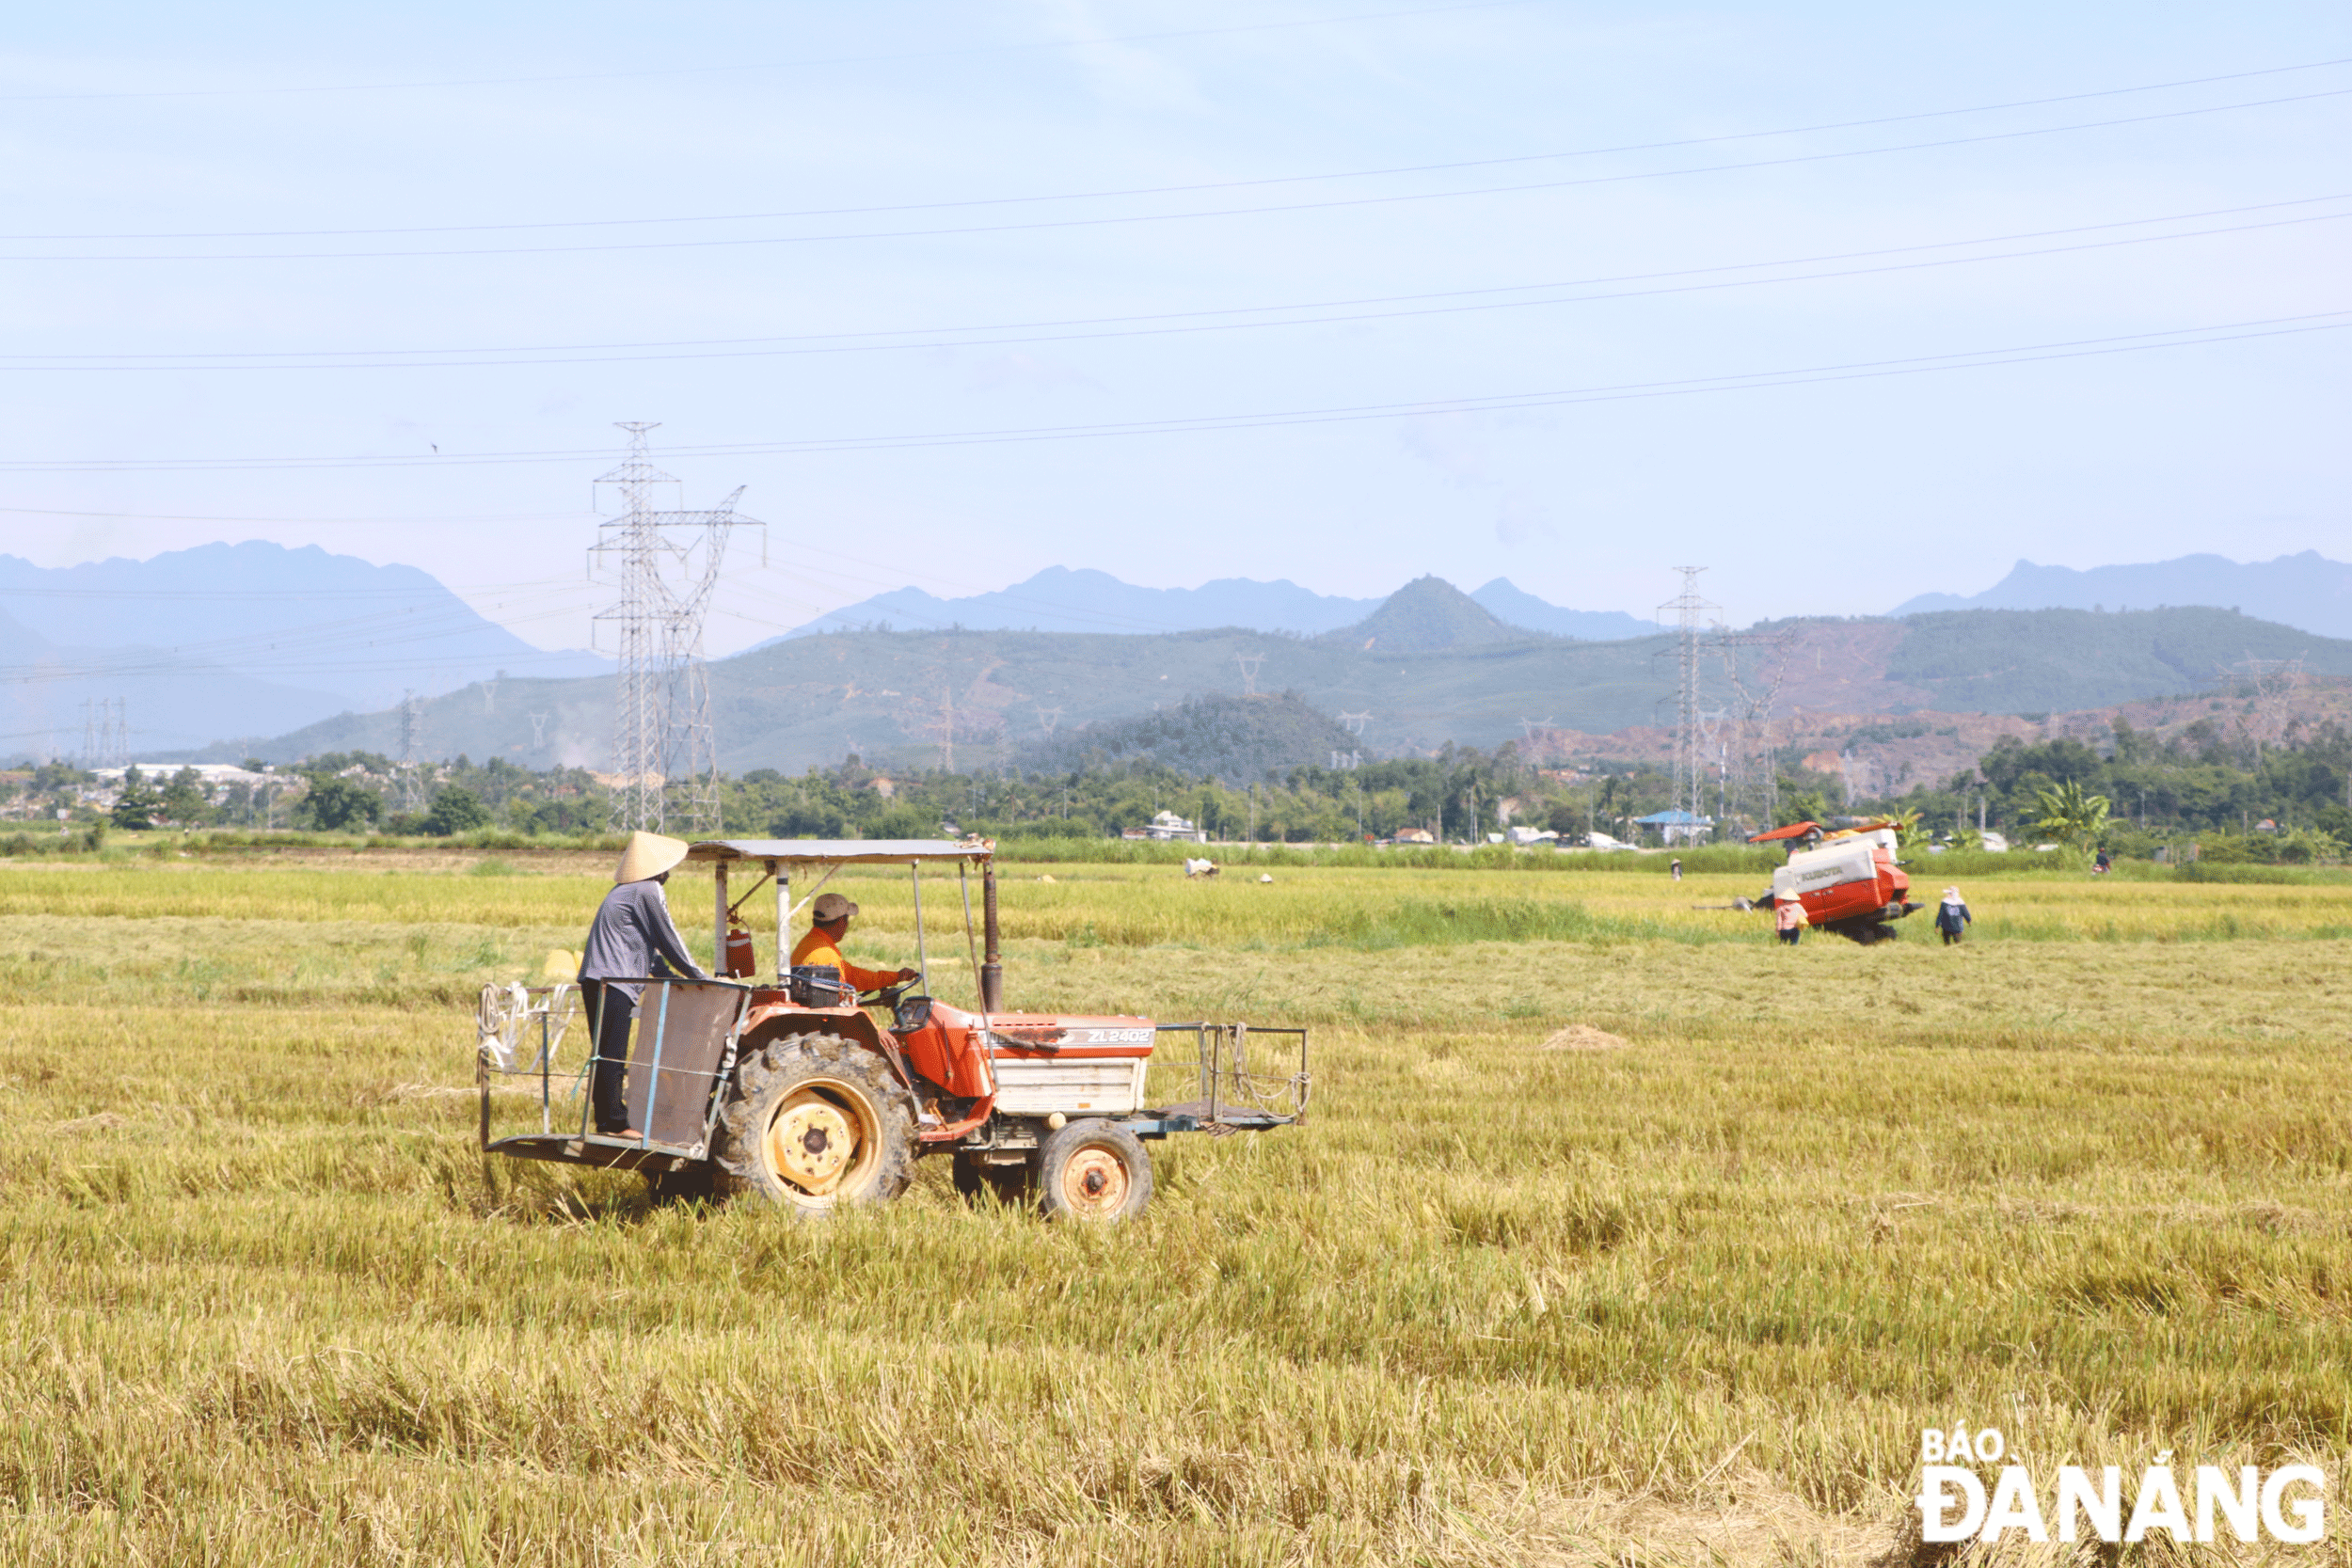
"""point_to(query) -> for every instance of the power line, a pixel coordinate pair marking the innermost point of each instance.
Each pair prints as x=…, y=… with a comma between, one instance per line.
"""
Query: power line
x=947, y=337
x=1044, y=224
x=211, y=517
x=791, y=65
x=2134, y=343
x=1200, y=186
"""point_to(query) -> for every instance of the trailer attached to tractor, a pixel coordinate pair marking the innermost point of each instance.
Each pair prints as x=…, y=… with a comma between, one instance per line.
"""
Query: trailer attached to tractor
x=789, y=1090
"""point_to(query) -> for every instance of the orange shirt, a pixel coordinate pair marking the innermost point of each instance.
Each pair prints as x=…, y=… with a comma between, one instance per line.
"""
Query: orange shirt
x=818, y=947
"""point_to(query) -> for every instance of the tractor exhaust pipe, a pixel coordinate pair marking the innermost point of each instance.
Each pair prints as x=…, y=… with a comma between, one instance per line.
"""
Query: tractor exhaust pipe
x=992, y=968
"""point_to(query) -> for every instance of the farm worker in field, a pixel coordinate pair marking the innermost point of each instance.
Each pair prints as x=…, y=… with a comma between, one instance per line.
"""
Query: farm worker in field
x=829, y=922
x=631, y=937
x=1676, y=866
x=1788, y=919
x=1952, y=915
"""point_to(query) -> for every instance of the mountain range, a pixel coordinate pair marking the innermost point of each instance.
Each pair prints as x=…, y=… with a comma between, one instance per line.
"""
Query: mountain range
x=989, y=699
x=2307, y=590
x=1061, y=599
x=227, y=640
x=211, y=647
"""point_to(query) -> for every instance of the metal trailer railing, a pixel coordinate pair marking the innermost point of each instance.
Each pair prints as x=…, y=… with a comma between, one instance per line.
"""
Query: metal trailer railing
x=1234, y=1096
x=510, y=1019
x=676, y=1064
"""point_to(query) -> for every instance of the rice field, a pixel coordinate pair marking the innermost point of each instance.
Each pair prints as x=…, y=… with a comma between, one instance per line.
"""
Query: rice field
x=1618, y=1234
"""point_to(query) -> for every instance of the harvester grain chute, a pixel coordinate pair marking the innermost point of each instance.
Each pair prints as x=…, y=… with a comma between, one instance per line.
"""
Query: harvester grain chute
x=788, y=1090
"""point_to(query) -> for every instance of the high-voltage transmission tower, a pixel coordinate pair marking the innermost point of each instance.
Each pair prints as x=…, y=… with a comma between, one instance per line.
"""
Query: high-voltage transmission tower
x=105, y=733
x=2272, y=683
x=1690, y=743
x=665, y=565
x=411, y=741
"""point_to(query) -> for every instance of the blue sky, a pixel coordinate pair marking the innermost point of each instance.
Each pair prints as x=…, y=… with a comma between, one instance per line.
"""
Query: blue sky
x=539, y=183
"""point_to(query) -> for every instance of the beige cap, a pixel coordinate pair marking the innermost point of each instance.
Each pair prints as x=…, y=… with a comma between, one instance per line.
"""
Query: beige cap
x=830, y=907
x=648, y=855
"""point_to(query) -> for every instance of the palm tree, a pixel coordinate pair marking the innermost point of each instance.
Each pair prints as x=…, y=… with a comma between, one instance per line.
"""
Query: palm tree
x=2066, y=813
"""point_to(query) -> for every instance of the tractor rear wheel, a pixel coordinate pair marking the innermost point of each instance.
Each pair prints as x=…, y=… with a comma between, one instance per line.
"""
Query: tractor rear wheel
x=812, y=1122
x=1093, y=1170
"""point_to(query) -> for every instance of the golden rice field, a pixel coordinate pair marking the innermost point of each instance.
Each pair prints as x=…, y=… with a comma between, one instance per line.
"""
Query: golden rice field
x=1506, y=1298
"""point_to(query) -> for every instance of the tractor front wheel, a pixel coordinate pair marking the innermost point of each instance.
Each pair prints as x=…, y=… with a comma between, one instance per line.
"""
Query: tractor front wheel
x=1093, y=1170
x=813, y=1122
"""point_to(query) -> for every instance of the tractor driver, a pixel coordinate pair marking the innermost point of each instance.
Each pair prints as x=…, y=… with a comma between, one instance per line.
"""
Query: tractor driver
x=829, y=922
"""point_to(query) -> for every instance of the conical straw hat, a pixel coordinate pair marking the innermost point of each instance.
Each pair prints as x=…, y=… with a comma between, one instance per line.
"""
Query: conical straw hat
x=648, y=855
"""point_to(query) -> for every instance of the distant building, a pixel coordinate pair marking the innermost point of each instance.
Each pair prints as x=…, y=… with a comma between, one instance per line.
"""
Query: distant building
x=1415, y=835
x=213, y=774
x=1166, y=826
x=1678, y=827
x=1525, y=836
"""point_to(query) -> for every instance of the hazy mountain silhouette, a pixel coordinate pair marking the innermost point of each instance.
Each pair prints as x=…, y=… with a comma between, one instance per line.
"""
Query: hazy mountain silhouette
x=245, y=640
x=1516, y=606
x=1061, y=599
x=2308, y=591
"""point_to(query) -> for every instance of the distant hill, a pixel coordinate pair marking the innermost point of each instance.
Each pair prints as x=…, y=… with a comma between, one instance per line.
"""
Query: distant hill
x=1060, y=599
x=1239, y=739
x=2308, y=591
x=286, y=637
x=2029, y=660
x=1425, y=615
x=989, y=699
x=170, y=703
x=1515, y=606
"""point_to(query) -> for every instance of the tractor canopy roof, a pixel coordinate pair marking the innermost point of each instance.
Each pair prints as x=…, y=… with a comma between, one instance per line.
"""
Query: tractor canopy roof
x=843, y=851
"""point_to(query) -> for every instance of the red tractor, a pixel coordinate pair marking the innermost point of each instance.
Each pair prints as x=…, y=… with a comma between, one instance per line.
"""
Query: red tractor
x=790, y=1090
x=1847, y=880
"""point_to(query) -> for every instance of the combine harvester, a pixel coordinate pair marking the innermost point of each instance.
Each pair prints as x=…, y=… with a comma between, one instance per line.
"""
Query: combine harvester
x=788, y=1090
x=1847, y=880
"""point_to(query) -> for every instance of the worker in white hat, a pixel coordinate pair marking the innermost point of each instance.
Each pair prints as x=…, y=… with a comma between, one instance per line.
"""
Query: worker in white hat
x=829, y=916
x=632, y=940
x=1952, y=916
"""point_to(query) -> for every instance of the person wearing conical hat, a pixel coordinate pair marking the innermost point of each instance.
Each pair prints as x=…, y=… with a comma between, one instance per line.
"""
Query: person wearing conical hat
x=1952, y=915
x=631, y=939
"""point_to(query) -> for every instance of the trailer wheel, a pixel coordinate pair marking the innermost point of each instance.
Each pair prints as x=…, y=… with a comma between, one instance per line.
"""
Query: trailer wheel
x=812, y=1122
x=1093, y=1170
x=1009, y=1184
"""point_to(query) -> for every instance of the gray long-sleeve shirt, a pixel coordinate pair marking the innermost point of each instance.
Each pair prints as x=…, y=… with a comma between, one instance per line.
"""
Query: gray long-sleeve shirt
x=633, y=937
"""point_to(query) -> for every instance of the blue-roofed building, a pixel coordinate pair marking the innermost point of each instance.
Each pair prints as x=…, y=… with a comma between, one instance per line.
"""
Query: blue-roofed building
x=1679, y=826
